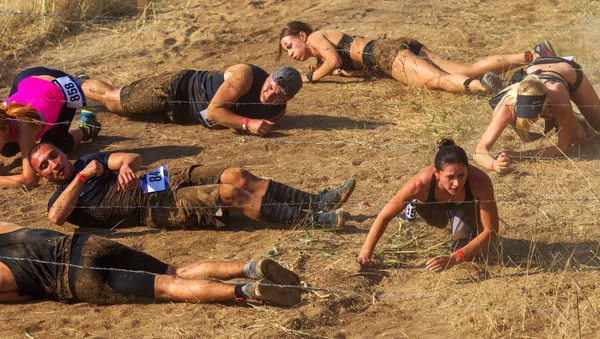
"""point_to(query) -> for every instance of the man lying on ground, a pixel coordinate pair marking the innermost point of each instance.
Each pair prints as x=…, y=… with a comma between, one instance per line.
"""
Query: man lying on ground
x=89, y=194
x=45, y=264
x=244, y=97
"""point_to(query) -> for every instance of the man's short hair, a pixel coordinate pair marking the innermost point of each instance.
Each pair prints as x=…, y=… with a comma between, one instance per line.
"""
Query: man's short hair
x=35, y=148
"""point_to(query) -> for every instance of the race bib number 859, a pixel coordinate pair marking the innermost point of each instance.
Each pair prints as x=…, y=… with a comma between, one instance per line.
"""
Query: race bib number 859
x=156, y=180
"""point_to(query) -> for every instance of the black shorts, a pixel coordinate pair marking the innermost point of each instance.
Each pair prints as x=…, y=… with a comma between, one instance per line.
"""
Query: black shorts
x=105, y=272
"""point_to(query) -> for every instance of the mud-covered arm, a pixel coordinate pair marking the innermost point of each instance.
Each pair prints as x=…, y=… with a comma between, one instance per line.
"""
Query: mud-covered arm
x=238, y=81
x=325, y=51
x=127, y=164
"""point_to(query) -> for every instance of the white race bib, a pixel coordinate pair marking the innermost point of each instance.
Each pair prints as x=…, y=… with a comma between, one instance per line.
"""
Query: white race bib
x=207, y=122
x=156, y=180
x=74, y=96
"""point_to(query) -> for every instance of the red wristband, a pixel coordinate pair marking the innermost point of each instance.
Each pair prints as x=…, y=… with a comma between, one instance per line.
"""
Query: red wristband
x=245, y=124
x=81, y=177
x=460, y=255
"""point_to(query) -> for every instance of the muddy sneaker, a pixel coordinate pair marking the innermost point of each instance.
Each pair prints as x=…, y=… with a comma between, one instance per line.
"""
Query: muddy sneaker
x=332, y=200
x=327, y=220
x=492, y=83
x=544, y=49
x=89, y=124
x=80, y=77
x=271, y=270
x=265, y=290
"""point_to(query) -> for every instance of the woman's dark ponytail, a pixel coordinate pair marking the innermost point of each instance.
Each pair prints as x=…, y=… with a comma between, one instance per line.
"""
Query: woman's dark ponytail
x=449, y=153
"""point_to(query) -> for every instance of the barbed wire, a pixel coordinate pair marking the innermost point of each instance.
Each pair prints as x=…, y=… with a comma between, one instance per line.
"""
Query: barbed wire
x=360, y=203
x=92, y=103
x=248, y=37
x=525, y=155
x=317, y=288
x=408, y=296
x=254, y=22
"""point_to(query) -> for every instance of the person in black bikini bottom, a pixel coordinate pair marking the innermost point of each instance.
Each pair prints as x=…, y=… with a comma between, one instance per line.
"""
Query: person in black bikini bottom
x=544, y=90
x=45, y=264
x=451, y=190
x=403, y=59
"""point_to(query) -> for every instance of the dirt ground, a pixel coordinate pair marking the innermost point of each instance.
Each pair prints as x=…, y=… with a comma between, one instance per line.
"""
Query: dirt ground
x=540, y=280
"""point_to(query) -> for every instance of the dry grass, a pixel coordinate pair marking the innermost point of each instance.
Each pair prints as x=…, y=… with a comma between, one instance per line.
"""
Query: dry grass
x=44, y=22
x=541, y=278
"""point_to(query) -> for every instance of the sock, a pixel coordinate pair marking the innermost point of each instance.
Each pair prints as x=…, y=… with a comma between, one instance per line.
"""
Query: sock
x=284, y=193
x=467, y=85
x=239, y=293
x=279, y=212
x=251, y=272
x=248, y=291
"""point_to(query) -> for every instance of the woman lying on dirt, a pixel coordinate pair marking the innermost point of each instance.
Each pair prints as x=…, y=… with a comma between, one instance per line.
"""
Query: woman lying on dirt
x=45, y=264
x=451, y=190
x=544, y=90
x=404, y=59
x=41, y=105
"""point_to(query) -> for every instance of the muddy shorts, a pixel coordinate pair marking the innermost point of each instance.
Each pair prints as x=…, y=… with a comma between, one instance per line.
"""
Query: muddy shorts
x=104, y=285
x=154, y=94
x=379, y=55
x=192, y=202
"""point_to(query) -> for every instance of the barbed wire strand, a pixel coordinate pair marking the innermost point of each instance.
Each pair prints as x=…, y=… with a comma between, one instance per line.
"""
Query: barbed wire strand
x=360, y=203
x=313, y=288
x=92, y=103
x=420, y=297
x=244, y=37
x=525, y=155
x=254, y=22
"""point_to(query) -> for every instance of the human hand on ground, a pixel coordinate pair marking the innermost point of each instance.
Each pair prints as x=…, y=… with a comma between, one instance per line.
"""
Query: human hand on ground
x=93, y=169
x=127, y=178
x=502, y=163
x=441, y=263
x=364, y=260
x=259, y=126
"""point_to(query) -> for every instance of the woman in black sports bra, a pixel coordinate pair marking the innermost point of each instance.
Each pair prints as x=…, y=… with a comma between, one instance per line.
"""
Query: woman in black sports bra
x=544, y=90
x=451, y=190
x=403, y=59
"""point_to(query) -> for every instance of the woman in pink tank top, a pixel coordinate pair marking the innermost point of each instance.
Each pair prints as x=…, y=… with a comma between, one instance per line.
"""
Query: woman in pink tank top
x=41, y=106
